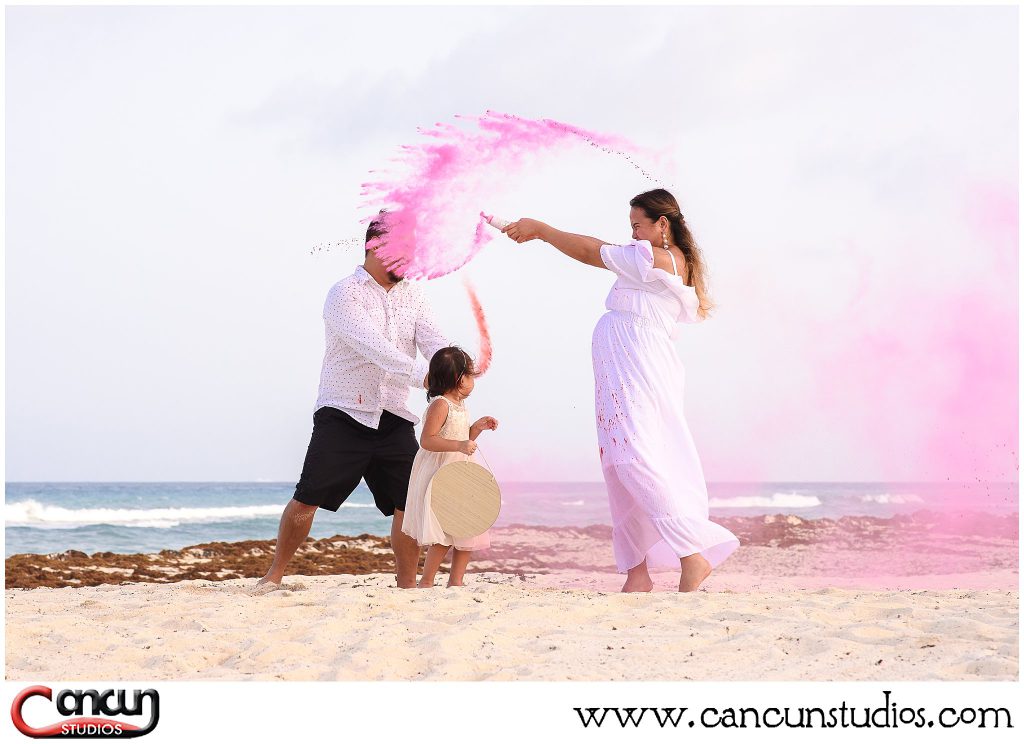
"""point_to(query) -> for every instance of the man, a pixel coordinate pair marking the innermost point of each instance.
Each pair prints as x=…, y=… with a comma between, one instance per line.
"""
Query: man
x=362, y=429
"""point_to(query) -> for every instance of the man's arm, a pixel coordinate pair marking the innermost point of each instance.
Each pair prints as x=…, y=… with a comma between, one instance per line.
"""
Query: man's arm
x=344, y=314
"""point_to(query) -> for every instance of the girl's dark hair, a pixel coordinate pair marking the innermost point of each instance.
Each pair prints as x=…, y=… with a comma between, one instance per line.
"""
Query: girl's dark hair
x=660, y=203
x=447, y=367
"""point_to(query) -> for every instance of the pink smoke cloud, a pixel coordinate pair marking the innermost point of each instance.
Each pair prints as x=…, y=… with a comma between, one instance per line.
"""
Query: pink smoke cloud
x=925, y=373
x=434, y=194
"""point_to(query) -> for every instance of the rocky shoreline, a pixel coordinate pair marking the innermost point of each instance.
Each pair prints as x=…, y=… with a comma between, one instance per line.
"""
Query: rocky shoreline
x=980, y=542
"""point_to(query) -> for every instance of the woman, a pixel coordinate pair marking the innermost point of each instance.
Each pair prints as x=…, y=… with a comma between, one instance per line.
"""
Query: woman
x=656, y=488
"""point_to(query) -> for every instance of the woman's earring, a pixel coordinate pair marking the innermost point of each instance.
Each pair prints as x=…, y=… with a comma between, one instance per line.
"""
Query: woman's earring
x=664, y=240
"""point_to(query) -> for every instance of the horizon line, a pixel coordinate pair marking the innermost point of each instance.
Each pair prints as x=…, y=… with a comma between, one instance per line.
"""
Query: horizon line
x=595, y=482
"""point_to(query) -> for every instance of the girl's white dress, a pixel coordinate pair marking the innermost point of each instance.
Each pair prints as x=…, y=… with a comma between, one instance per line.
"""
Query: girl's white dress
x=656, y=489
x=419, y=521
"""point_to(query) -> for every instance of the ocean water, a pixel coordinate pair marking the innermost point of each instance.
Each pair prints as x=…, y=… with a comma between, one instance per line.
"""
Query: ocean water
x=148, y=517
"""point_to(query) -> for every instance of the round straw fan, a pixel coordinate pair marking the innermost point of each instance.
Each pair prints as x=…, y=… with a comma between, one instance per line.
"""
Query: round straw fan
x=465, y=498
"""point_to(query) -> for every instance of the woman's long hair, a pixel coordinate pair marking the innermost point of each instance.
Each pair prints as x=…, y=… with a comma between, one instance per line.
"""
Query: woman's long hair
x=660, y=203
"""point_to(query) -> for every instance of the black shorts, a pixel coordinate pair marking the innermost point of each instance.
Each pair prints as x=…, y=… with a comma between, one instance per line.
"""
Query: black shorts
x=342, y=451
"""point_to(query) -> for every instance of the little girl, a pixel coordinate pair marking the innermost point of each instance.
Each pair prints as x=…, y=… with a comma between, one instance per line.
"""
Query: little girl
x=446, y=437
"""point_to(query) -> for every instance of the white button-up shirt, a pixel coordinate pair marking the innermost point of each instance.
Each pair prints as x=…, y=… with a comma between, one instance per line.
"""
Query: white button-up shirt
x=371, y=340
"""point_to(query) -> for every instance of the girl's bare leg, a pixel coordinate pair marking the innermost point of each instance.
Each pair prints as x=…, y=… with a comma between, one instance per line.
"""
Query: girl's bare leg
x=695, y=568
x=638, y=579
x=435, y=554
x=460, y=559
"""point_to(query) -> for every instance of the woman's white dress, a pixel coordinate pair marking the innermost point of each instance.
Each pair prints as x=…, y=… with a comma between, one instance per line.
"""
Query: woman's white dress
x=419, y=521
x=656, y=488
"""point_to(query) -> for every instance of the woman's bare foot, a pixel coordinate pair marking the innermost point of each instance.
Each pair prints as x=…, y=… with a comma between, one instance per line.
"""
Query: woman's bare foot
x=695, y=568
x=638, y=579
x=455, y=583
x=638, y=585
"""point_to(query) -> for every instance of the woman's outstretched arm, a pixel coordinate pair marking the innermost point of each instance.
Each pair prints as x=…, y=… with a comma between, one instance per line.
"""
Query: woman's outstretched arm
x=581, y=247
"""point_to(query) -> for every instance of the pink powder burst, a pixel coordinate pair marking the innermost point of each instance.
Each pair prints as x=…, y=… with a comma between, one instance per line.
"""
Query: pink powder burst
x=481, y=236
x=483, y=359
x=434, y=193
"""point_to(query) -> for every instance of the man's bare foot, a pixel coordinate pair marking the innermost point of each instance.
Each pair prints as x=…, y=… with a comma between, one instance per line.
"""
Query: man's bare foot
x=264, y=586
x=695, y=568
x=638, y=584
x=455, y=583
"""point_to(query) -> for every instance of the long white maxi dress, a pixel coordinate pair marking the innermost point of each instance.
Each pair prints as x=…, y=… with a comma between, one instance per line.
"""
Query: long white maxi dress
x=656, y=489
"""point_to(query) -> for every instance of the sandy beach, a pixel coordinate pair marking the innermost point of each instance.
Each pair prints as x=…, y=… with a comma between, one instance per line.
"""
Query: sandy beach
x=859, y=599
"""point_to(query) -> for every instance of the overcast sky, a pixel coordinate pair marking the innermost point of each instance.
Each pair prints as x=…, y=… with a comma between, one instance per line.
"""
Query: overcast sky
x=851, y=174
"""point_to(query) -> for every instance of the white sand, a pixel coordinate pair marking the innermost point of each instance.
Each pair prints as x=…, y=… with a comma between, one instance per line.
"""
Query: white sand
x=506, y=627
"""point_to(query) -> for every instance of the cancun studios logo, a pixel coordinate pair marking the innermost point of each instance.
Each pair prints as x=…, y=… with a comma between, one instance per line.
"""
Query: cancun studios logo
x=106, y=703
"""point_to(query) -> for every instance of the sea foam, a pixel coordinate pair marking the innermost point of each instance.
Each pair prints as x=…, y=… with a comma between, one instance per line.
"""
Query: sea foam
x=775, y=501
x=31, y=513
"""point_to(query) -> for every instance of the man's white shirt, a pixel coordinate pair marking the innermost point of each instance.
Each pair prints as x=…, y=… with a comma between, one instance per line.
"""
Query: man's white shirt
x=371, y=339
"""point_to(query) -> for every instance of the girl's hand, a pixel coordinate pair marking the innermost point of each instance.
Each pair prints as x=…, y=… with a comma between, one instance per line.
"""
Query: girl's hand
x=467, y=447
x=487, y=422
x=524, y=229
